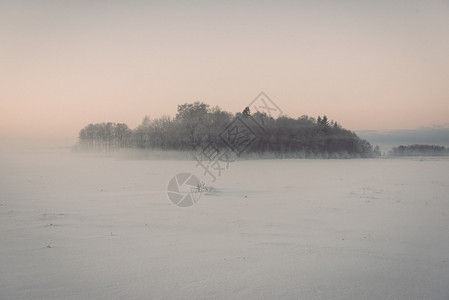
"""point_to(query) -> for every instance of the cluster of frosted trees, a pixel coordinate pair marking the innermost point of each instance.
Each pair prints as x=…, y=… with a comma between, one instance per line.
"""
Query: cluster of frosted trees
x=197, y=124
x=105, y=137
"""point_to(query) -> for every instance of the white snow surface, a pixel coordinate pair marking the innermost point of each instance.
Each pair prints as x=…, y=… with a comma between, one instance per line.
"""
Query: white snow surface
x=82, y=227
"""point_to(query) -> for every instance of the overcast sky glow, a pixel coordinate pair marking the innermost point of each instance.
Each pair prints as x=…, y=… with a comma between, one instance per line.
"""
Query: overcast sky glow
x=365, y=64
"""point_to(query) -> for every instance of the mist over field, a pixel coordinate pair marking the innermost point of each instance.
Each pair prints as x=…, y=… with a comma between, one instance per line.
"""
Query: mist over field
x=77, y=225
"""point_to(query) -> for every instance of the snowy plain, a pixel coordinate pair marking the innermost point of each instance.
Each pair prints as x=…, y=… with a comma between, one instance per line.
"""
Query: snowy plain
x=75, y=226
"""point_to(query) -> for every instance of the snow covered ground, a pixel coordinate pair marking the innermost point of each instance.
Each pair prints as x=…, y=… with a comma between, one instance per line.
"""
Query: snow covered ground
x=81, y=227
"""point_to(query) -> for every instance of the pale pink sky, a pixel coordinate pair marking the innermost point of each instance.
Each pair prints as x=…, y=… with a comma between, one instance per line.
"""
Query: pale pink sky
x=365, y=64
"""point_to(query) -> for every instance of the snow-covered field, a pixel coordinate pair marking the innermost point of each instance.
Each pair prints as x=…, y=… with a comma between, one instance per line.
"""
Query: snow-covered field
x=81, y=227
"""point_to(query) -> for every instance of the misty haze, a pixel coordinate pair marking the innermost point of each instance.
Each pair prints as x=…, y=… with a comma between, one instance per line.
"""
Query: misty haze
x=221, y=150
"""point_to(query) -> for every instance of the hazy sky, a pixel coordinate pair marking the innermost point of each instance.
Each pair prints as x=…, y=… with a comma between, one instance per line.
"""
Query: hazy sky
x=365, y=64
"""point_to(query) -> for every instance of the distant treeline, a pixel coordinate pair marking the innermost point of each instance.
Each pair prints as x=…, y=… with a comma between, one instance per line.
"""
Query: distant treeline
x=105, y=136
x=197, y=126
x=420, y=150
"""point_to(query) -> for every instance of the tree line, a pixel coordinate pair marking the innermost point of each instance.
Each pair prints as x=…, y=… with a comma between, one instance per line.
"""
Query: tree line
x=420, y=150
x=105, y=136
x=197, y=125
